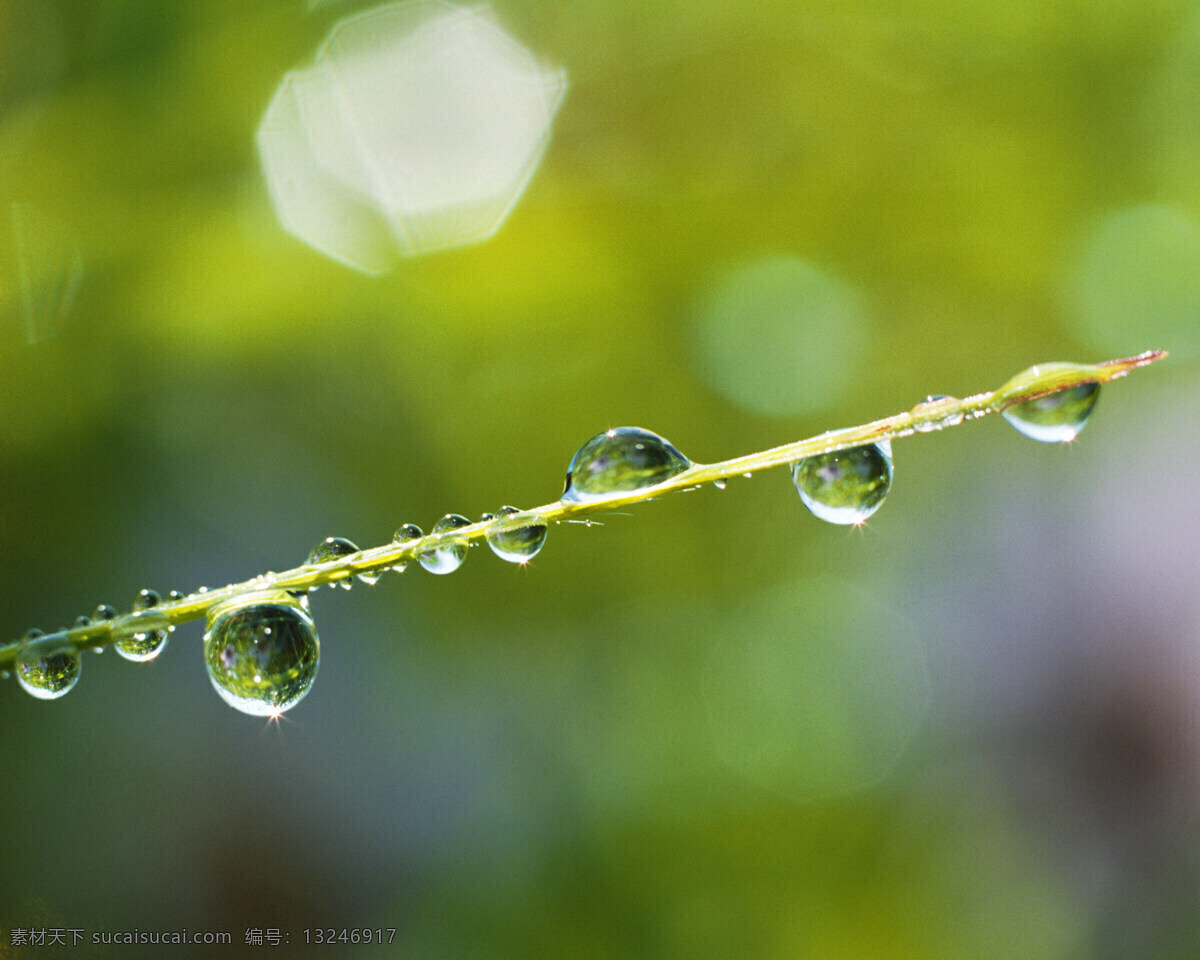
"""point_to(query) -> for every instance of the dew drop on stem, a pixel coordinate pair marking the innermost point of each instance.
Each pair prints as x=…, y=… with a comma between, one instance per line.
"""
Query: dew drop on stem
x=516, y=541
x=845, y=486
x=261, y=652
x=143, y=645
x=1057, y=417
x=331, y=548
x=450, y=555
x=618, y=461
x=47, y=667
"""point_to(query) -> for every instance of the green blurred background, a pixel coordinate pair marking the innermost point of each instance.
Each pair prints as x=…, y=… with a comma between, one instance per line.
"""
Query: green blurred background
x=713, y=726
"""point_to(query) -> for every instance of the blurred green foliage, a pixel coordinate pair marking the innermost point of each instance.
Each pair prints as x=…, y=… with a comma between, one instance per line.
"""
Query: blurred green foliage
x=594, y=756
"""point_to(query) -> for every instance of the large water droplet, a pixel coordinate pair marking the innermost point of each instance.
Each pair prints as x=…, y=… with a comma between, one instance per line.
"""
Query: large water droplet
x=144, y=644
x=845, y=486
x=330, y=549
x=1057, y=417
x=261, y=652
x=516, y=541
x=620, y=460
x=47, y=667
x=448, y=557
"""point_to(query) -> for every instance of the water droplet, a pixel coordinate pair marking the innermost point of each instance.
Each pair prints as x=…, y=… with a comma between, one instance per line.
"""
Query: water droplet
x=448, y=557
x=330, y=549
x=406, y=532
x=516, y=541
x=104, y=612
x=1057, y=417
x=261, y=652
x=174, y=596
x=83, y=620
x=145, y=644
x=719, y=484
x=845, y=486
x=486, y=518
x=936, y=411
x=620, y=460
x=47, y=667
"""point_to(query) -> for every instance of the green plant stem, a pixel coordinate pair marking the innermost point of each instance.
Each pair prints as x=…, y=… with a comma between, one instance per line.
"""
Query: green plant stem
x=925, y=417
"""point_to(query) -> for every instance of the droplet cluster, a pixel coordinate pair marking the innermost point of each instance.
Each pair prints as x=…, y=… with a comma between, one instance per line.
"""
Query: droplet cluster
x=261, y=649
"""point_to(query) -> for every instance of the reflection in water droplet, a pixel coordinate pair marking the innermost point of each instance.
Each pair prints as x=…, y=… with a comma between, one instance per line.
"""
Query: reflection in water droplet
x=719, y=484
x=144, y=645
x=330, y=549
x=620, y=460
x=845, y=486
x=46, y=667
x=448, y=557
x=516, y=543
x=1057, y=417
x=936, y=412
x=261, y=652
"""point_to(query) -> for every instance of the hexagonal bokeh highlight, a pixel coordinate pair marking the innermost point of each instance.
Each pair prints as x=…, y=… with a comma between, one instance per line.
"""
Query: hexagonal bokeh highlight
x=417, y=127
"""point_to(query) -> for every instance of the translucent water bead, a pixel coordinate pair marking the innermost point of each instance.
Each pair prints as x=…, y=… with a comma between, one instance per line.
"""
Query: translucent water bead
x=1057, y=417
x=404, y=533
x=330, y=549
x=261, y=652
x=47, y=667
x=516, y=541
x=620, y=460
x=845, y=486
x=145, y=644
x=449, y=556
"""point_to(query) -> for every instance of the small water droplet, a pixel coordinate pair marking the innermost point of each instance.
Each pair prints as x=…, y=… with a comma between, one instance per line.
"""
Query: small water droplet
x=261, y=652
x=330, y=549
x=486, y=518
x=518, y=541
x=1057, y=417
x=174, y=596
x=404, y=533
x=936, y=411
x=845, y=486
x=448, y=557
x=618, y=461
x=83, y=620
x=147, y=644
x=104, y=612
x=47, y=667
